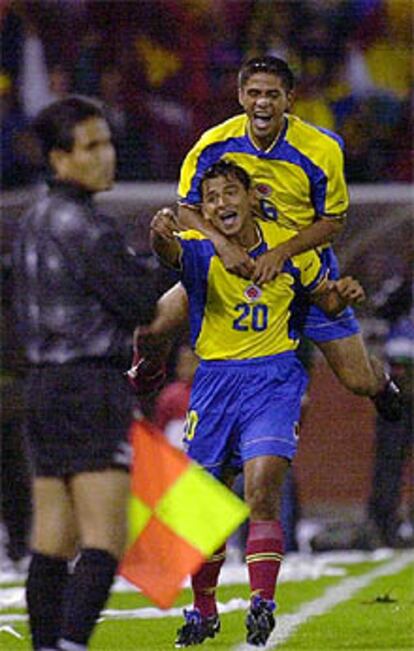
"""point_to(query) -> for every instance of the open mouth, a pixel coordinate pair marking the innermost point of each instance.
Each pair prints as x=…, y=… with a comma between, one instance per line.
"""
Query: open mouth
x=261, y=120
x=229, y=218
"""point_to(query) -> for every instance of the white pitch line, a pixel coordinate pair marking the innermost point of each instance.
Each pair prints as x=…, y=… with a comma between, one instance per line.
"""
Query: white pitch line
x=10, y=630
x=286, y=625
x=141, y=613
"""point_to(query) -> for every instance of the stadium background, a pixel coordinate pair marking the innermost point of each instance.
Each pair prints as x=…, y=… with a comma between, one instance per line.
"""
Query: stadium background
x=167, y=70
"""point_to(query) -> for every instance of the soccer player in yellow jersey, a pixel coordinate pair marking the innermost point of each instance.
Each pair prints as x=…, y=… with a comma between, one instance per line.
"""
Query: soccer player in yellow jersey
x=298, y=176
x=245, y=400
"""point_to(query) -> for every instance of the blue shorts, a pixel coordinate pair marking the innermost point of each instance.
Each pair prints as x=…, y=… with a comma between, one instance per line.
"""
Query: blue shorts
x=244, y=409
x=318, y=326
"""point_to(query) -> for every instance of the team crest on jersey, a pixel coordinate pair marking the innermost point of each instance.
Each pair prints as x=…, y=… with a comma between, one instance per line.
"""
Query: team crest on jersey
x=252, y=293
x=263, y=189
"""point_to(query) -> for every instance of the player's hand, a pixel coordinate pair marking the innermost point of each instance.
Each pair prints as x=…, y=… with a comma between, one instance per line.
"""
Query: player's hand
x=145, y=378
x=147, y=374
x=349, y=290
x=269, y=265
x=164, y=223
x=234, y=258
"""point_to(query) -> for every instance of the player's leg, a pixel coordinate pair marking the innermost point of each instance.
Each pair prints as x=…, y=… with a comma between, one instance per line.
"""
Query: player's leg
x=209, y=425
x=53, y=542
x=264, y=477
x=340, y=340
x=270, y=416
x=100, y=500
x=204, y=583
x=349, y=360
x=202, y=621
x=362, y=374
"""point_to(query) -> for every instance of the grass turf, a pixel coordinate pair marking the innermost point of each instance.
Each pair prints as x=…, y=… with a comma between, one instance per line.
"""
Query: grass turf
x=379, y=617
x=369, y=621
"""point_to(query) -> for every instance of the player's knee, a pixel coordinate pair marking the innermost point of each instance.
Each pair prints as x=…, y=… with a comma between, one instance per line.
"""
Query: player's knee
x=360, y=386
x=351, y=365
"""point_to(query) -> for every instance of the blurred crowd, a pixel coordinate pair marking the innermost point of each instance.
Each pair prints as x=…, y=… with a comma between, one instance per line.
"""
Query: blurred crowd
x=167, y=70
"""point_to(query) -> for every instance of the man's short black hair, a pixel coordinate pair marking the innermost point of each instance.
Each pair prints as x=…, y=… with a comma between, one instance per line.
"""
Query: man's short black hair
x=270, y=65
x=227, y=169
x=54, y=126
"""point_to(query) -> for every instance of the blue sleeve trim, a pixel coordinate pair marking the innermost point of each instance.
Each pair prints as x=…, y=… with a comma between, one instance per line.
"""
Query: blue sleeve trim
x=317, y=177
x=210, y=155
x=195, y=260
x=332, y=135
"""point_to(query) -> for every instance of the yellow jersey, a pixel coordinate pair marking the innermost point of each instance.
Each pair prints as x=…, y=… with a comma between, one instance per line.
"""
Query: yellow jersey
x=300, y=176
x=233, y=319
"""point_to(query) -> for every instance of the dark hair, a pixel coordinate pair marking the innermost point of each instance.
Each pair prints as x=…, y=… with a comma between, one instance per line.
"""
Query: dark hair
x=270, y=65
x=54, y=126
x=226, y=168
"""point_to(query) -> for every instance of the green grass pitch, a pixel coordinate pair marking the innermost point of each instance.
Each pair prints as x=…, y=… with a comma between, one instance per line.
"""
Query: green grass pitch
x=379, y=616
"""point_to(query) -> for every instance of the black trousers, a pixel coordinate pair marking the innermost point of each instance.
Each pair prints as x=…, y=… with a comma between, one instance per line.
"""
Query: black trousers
x=14, y=474
x=394, y=444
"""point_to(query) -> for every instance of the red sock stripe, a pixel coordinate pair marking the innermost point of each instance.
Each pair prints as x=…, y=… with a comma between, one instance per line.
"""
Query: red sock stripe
x=264, y=553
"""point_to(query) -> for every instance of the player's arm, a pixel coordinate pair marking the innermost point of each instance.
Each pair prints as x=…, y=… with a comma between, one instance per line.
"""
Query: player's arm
x=163, y=238
x=333, y=296
x=330, y=199
x=152, y=344
x=233, y=257
x=171, y=317
x=322, y=231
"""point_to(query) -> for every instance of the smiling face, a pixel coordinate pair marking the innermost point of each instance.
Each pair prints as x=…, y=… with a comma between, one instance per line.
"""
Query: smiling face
x=227, y=204
x=91, y=161
x=265, y=100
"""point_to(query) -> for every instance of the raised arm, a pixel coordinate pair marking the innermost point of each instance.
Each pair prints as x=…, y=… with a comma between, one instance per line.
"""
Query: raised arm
x=152, y=343
x=162, y=236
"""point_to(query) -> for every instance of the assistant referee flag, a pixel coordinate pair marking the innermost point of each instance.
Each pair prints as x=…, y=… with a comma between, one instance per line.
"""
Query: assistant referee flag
x=178, y=516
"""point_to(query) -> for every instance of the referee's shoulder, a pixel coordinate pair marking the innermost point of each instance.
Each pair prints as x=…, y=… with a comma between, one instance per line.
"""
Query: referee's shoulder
x=65, y=214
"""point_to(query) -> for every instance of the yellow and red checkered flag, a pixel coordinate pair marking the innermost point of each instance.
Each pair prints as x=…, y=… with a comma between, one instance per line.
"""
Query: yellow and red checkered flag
x=178, y=516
